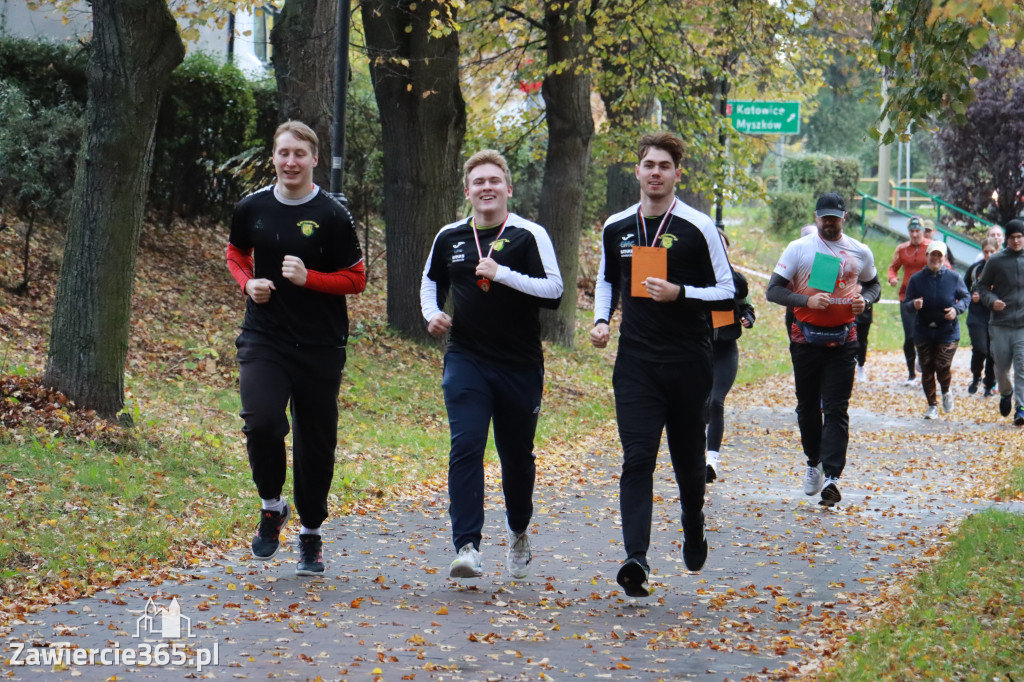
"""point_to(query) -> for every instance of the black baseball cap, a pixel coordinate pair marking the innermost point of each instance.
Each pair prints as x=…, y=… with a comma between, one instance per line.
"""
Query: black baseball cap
x=914, y=223
x=830, y=203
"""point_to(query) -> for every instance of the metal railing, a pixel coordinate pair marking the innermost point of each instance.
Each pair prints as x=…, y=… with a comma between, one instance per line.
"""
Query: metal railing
x=939, y=203
x=946, y=234
x=864, y=199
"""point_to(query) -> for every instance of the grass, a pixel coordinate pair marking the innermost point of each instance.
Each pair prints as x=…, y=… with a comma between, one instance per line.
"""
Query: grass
x=963, y=619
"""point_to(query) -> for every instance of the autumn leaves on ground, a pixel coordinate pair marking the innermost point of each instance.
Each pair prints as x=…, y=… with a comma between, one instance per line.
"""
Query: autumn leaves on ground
x=87, y=504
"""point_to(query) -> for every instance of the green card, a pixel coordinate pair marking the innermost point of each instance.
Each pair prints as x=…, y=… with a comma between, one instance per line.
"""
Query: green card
x=824, y=272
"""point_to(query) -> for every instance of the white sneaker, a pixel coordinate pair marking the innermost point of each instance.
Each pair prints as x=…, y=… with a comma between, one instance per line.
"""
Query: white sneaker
x=862, y=374
x=814, y=480
x=711, y=466
x=518, y=556
x=468, y=564
x=947, y=402
x=932, y=412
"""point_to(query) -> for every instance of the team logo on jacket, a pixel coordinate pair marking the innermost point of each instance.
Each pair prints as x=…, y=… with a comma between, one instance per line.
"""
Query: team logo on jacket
x=307, y=227
x=667, y=240
x=499, y=244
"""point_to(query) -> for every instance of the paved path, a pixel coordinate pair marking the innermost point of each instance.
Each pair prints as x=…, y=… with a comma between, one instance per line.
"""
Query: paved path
x=785, y=581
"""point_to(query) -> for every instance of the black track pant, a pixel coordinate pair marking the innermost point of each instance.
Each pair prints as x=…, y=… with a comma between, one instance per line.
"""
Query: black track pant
x=909, y=319
x=981, y=355
x=651, y=397
x=823, y=378
x=726, y=363
x=274, y=377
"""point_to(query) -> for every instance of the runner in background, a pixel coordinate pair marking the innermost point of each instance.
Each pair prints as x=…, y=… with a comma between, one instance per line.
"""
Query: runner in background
x=938, y=295
x=726, y=363
x=983, y=369
x=827, y=278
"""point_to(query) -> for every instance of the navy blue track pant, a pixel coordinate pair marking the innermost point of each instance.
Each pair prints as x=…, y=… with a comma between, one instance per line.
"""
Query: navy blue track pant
x=477, y=392
x=652, y=397
x=274, y=377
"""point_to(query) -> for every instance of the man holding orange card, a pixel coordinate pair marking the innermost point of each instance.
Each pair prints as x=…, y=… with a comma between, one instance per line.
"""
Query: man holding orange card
x=828, y=279
x=667, y=263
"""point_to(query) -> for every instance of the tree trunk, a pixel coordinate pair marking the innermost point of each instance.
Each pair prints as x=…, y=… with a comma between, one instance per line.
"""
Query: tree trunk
x=621, y=188
x=423, y=121
x=566, y=92
x=305, y=39
x=134, y=49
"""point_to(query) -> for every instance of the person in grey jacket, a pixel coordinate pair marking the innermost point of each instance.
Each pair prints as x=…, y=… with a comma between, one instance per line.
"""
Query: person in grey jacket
x=1001, y=290
x=937, y=295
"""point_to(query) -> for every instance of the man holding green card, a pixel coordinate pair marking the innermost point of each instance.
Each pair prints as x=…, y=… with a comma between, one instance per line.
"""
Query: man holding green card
x=827, y=278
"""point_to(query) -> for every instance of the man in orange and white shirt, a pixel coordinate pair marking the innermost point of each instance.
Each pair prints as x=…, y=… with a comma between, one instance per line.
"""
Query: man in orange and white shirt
x=823, y=336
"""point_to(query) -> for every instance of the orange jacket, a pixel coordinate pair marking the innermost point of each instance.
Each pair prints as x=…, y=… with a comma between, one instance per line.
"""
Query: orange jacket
x=912, y=259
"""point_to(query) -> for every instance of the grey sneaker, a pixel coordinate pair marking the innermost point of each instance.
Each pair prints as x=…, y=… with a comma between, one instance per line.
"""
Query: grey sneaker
x=814, y=479
x=947, y=402
x=518, y=555
x=467, y=564
x=932, y=412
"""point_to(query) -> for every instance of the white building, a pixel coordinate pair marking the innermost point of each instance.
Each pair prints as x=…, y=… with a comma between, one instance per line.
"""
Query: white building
x=246, y=35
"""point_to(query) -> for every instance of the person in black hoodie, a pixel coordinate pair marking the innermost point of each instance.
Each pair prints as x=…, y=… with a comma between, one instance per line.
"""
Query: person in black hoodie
x=977, y=324
x=726, y=355
x=938, y=295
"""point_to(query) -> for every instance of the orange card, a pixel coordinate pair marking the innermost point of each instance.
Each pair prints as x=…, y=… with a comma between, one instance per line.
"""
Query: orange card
x=648, y=261
x=721, y=318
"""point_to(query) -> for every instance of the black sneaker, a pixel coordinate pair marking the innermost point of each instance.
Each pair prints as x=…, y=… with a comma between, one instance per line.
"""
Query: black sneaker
x=268, y=535
x=311, y=555
x=695, y=552
x=989, y=392
x=710, y=474
x=830, y=493
x=633, y=579
x=973, y=388
x=1018, y=416
x=1005, y=404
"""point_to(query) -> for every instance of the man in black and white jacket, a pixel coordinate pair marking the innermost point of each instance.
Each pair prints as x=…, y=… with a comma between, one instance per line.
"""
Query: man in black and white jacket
x=663, y=374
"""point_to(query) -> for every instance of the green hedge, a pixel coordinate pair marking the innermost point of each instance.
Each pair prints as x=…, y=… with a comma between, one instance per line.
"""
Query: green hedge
x=210, y=114
x=44, y=72
x=816, y=174
x=207, y=116
x=804, y=179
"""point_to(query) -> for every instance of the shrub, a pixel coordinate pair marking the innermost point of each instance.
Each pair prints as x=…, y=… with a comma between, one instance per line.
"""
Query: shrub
x=38, y=149
x=816, y=174
x=206, y=117
x=790, y=211
x=45, y=72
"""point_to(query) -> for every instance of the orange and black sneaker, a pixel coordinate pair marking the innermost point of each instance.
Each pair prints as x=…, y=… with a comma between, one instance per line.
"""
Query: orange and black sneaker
x=268, y=534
